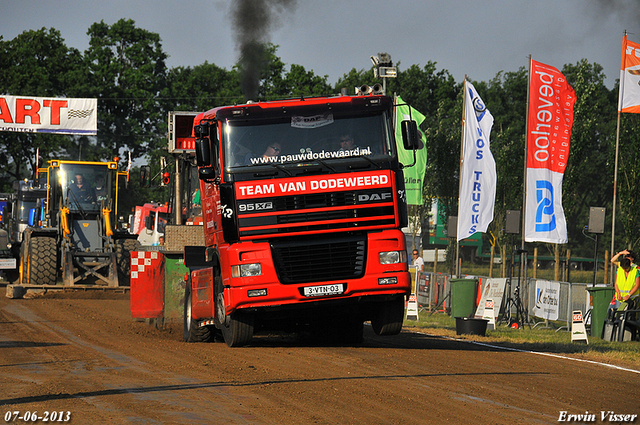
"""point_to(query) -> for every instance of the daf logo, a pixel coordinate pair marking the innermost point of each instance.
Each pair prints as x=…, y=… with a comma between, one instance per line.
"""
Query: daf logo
x=372, y=197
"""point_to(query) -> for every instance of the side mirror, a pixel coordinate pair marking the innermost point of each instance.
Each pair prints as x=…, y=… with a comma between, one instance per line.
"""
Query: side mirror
x=203, y=153
x=201, y=131
x=410, y=135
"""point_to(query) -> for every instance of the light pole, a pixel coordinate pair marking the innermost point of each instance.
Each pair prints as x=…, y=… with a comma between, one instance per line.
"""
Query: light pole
x=384, y=69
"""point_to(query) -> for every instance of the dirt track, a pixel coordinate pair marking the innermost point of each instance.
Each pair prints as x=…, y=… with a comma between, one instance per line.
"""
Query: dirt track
x=88, y=357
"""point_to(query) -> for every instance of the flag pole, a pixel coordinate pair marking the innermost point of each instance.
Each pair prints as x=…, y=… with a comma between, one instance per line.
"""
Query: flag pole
x=464, y=107
x=615, y=172
x=526, y=141
x=615, y=190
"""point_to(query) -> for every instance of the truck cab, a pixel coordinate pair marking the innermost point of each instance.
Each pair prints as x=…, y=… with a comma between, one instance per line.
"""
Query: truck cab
x=303, y=202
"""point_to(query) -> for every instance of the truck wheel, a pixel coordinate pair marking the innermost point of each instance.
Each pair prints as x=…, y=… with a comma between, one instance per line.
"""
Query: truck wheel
x=42, y=261
x=236, y=328
x=388, y=319
x=193, y=333
x=124, y=247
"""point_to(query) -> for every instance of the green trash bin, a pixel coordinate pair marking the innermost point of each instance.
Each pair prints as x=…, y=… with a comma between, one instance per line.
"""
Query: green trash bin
x=463, y=297
x=601, y=298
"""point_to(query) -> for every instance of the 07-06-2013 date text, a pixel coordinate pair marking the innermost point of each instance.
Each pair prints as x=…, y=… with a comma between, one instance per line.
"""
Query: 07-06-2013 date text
x=54, y=416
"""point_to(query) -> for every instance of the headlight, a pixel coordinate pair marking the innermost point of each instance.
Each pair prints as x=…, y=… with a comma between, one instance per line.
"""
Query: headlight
x=246, y=270
x=393, y=257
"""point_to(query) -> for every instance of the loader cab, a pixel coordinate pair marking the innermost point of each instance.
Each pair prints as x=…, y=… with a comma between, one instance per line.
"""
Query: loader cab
x=86, y=187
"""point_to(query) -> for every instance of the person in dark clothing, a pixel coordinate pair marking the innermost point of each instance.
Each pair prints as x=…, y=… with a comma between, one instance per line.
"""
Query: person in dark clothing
x=81, y=190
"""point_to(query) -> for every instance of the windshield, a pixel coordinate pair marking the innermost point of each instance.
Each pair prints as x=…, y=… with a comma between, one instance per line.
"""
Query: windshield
x=301, y=139
x=86, y=187
x=22, y=215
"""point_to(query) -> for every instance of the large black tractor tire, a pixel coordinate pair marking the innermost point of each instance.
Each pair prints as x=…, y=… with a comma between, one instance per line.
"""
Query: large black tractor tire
x=42, y=260
x=236, y=328
x=388, y=319
x=193, y=333
x=124, y=247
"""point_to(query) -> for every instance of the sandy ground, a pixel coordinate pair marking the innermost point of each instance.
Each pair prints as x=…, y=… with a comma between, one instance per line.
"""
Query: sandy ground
x=86, y=360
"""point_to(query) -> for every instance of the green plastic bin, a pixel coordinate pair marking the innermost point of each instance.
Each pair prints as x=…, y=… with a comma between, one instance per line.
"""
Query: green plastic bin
x=601, y=298
x=463, y=297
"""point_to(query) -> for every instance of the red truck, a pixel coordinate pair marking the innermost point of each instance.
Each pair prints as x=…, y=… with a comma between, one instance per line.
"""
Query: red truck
x=303, y=201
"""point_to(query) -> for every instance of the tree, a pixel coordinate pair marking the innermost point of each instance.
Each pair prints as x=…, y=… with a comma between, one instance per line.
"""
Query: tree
x=628, y=177
x=353, y=79
x=35, y=63
x=127, y=72
x=278, y=83
x=200, y=88
x=588, y=178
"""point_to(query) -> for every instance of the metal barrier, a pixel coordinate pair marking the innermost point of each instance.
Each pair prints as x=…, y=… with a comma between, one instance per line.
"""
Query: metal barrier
x=432, y=292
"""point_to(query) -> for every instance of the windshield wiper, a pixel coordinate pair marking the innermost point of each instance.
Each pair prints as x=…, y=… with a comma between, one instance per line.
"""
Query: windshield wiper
x=280, y=167
x=327, y=165
x=82, y=212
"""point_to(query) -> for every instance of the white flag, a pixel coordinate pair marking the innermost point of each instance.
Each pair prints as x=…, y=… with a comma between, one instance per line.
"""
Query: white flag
x=478, y=169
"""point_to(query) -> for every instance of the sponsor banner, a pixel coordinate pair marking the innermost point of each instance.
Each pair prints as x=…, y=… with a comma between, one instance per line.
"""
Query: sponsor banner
x=629, y=90
x=550, y=120
x=546, y=221
x=49, y=115
x=413, y=176
x=547, y=299
x=478, y=171
x=316, y=184
x=493, y=289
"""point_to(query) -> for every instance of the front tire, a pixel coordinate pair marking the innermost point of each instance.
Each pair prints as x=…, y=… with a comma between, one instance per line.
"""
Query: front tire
x=124, y=247
x=193, y=333
x=42, y=261
x=236, y=328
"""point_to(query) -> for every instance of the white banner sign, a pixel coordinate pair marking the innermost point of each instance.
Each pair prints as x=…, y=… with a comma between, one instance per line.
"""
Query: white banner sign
x=478, y=173
x=49, y=115
x=547, y=297
x=493, y=289
x=550, y=121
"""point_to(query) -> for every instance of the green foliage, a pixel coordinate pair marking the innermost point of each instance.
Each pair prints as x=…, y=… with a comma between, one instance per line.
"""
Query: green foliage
x=127, y=71
x=124, y=67
x=353, y=79
x=35, y=63
x=628, y=177
x=588, y=178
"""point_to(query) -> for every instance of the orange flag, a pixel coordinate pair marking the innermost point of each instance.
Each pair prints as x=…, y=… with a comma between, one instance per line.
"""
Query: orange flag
x=629, y=96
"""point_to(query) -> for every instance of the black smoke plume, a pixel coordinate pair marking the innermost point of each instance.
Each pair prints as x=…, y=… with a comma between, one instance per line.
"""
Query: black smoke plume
x=253, y=20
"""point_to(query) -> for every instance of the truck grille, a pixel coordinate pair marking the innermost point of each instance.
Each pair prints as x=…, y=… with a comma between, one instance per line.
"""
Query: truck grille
x=319, y=213
x=319, y=260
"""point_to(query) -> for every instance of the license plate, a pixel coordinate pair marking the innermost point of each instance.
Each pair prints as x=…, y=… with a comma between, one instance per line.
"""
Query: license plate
x=7, y=263
x=317, y=291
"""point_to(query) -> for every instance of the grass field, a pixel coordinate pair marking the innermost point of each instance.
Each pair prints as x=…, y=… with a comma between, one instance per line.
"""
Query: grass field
x=538, y=338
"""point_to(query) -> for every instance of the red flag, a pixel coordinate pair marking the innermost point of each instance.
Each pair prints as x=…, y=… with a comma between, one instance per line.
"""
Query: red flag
x=629, y=96
x=550, y=120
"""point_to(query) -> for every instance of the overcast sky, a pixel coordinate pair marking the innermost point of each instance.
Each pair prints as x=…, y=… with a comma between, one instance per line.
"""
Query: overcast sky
x=330, y=37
